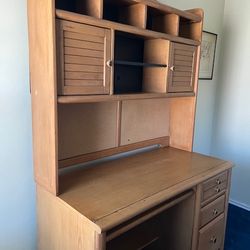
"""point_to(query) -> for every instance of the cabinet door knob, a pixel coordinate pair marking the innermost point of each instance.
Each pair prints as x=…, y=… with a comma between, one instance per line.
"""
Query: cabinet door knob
x=109, y=63
x=217, y=190
x=215, y=212
x=213, y=240
x=172, y=68
x=218, y=181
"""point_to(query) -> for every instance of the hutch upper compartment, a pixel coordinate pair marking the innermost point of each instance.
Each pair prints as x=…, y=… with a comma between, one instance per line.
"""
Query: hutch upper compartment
x=77, y=39
x=91, y=55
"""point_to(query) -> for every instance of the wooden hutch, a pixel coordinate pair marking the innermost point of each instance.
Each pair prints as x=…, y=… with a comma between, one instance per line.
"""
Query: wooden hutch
x=109, y=77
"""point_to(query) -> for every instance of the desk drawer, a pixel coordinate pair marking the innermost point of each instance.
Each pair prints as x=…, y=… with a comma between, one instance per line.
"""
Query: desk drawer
x=211, y=236
x=215, y=181
x=214, y=191
x=212, y=210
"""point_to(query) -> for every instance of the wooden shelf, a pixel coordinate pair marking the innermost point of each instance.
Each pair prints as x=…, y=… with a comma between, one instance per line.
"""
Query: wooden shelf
x=111, y=98
x=70, y=16
x=113, y=192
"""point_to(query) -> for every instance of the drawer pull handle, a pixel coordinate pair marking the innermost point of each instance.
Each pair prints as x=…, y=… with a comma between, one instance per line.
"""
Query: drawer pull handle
x=217, y=190
x=218, y=181
x=213, y=240
x=215, y=212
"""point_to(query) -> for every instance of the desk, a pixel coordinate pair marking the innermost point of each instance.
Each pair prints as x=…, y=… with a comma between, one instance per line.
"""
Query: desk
x=99, y=203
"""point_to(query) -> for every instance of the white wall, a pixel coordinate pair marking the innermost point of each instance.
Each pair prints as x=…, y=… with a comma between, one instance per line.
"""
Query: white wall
x=214, y=10
x=17, y=197
x=232, y=120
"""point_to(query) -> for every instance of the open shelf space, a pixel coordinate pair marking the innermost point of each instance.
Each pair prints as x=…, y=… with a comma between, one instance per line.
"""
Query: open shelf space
x=85, y=7
x=189, y=29
x=135, y=67
x=126, y=12
x=160, y=21
x=71, y=16
x=127, y=77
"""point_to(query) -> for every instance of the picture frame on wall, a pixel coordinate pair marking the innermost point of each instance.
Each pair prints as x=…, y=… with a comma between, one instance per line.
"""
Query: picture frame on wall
x=208, y=51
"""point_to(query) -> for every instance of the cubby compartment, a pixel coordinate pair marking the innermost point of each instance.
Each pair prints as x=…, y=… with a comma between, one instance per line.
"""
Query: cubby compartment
x=136, y=67
x=128, y=63
x=85, y=7
x=125, y=12
x=189, y=29
x=160, y=21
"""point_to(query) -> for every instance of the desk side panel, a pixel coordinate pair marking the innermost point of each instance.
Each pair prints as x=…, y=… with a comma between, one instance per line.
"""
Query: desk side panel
x=41, y=20
x=183, y=110
x=60, y=227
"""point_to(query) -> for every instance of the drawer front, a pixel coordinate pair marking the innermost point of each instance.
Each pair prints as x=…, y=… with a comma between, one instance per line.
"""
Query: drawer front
x=214, y=191
x=212, y=210
x=83, y=52
x=215, y=181
x=211, y=236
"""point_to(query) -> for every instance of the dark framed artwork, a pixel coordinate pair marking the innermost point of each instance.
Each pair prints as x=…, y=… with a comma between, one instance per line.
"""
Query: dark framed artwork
x=208, y=50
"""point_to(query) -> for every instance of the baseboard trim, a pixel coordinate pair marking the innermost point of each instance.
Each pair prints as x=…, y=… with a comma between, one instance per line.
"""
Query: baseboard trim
x=239, y=204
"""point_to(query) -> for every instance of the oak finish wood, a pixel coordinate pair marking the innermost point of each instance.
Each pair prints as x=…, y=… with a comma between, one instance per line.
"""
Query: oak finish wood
x=216, y=180
x=86, y=128
x=90, y=7
x=110, y=98
x=212, y=210
x=143, y=120
x=168, y=24
x=135, y=15
x=179, y=63
x=183, y=109
x=214, y=192
x=211, y=236
x=155, y=79
x=70, y=16
x=163, y=142
x=41, y=16
x=60, y=227
x=226, y=205
x=166, y=173
x=83, y=53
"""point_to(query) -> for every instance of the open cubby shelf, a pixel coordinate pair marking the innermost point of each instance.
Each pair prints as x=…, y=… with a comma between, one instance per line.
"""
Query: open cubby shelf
x=158, y=20
x=149, y=15
x=131, y=65
x=128, y=78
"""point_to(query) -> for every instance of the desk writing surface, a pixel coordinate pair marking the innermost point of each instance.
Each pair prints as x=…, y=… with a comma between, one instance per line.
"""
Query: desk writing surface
x=103, y=191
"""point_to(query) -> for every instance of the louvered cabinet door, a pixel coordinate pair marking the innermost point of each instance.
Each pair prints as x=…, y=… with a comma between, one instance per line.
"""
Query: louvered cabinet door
x=82, y=55
x=182, y=65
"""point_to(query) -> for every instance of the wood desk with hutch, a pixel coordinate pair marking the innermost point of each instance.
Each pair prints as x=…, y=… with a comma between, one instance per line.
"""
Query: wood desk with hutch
x=109, y=77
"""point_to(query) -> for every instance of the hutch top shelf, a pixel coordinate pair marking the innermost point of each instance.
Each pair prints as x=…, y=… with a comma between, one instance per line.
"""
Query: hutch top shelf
x=96, y=8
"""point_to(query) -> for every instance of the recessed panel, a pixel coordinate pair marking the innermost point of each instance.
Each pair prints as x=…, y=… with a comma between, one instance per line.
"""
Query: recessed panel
x=143, y=120
x=86, y=128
